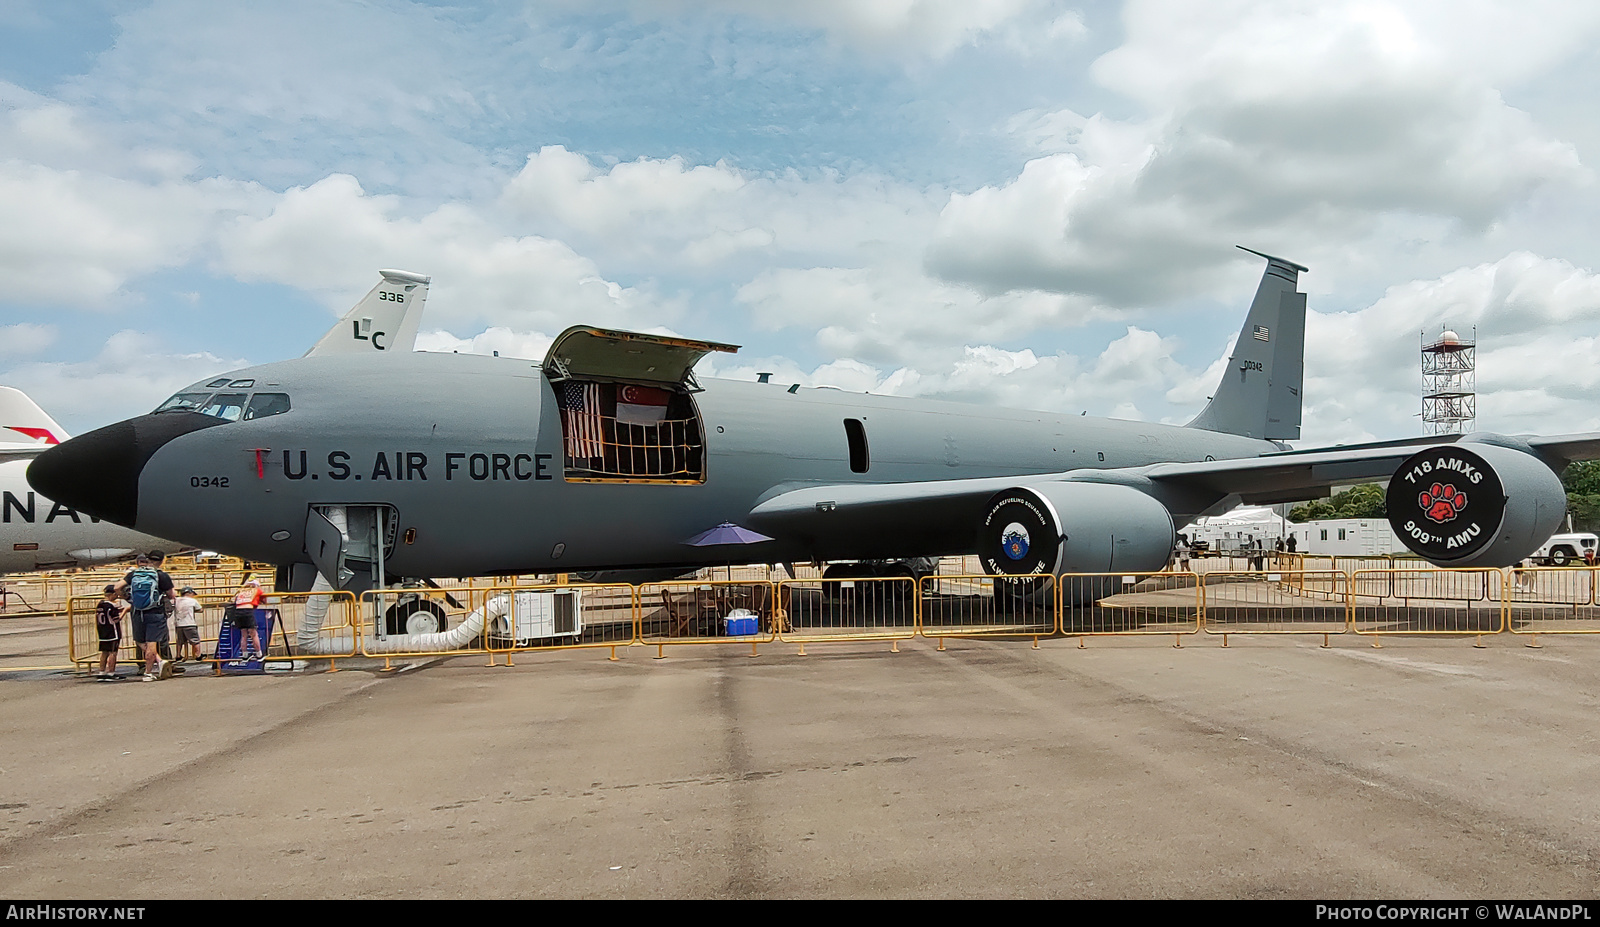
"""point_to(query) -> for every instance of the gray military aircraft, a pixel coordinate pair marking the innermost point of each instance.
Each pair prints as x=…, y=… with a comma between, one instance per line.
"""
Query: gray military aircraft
x=611, y=454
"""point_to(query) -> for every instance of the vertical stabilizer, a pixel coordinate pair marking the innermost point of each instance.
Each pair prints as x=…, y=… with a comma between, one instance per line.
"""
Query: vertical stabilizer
x=386, y=319
x=1259, y=396
x=23, y=422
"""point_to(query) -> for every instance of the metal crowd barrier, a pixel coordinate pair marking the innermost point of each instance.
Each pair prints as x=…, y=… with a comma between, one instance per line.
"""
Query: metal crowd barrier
x=985, y=605
x=1551, y=600
x=737, y=611
x=843, y=609
x=1287, y=602
x=560, y=616
x=1101, y=604
x=514, y=617
x=1409, y=601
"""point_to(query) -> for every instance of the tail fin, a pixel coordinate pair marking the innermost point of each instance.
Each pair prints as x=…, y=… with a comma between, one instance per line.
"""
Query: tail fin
x=386, y=319
x=23, y=422
x=1259, y=396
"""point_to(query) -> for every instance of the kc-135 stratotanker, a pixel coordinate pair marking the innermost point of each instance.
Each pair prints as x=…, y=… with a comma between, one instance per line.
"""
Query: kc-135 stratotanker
x=611, y=455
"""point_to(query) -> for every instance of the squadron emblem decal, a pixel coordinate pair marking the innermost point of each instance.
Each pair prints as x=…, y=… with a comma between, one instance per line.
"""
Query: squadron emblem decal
x=1441, y=503
x=1014, y=540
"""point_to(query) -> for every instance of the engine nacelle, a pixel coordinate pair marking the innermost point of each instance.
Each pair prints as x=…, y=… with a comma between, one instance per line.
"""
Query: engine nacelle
x=1073, y=527
x=1474, y=504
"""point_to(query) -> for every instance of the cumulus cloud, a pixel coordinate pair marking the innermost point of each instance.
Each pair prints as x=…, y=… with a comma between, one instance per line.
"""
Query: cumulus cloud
x=332, y=235
x=897, y=315
x=83, y=217
x=1232, y=149
x=25, y=338
x=666, y=215
x=1535, y=318
x=919, y=28
x=132, y=373
x=497, y=340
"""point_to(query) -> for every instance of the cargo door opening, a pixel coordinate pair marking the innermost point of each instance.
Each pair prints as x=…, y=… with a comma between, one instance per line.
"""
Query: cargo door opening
x=628, y=432
x=627, y=405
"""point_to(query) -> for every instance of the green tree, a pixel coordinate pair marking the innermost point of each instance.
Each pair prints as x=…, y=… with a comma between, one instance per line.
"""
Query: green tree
x=1582, y=482
x=1364, y=501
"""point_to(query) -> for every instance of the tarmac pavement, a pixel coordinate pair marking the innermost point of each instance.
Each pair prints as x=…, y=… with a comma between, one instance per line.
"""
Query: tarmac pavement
x=1270, y=769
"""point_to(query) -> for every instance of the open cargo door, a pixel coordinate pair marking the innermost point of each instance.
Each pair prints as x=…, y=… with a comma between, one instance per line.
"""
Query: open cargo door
x=627, y=406
x=584, y=353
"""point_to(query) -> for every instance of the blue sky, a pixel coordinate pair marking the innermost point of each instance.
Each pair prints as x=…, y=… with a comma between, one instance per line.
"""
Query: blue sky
x=1018, y=202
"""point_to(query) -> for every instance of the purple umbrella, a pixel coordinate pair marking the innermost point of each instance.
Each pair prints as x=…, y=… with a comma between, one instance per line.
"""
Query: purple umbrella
x=726, y=533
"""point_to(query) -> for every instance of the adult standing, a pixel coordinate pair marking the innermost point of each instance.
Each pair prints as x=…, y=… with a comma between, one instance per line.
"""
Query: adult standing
x=148, y=591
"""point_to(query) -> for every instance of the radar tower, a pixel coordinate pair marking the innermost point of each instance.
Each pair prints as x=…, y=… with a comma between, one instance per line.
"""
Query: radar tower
x=1449, y=383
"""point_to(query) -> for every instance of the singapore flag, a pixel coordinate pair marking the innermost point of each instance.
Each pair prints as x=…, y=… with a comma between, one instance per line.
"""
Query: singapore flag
x=641, y=405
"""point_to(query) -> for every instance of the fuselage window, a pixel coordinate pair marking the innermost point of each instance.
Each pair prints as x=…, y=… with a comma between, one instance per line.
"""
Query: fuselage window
x=184, y=402
x=265, y=404
x=856, y=433
x=226, y=406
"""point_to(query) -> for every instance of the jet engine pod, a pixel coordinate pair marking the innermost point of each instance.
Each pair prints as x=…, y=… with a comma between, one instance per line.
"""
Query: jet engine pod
x=1474, y=504
x=1074, y=527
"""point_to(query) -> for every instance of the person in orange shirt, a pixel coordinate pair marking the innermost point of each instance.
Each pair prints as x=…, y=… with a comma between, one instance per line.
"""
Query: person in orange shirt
x=244, y=617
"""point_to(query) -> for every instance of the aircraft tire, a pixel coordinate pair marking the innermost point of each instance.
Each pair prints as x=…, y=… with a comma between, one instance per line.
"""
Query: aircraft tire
x=421, y=616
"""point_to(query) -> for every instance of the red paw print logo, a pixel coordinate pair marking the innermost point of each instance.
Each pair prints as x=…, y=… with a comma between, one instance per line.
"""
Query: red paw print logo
x=1442, y=503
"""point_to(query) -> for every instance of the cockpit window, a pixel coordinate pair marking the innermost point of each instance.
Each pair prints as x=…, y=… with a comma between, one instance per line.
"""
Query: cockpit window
x=230, y=407
x=184, y=402
x=226, y=406
x=265, y=404
x=220, y=381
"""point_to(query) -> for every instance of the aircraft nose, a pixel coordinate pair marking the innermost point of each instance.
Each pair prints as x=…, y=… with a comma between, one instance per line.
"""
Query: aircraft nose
x=98, y=473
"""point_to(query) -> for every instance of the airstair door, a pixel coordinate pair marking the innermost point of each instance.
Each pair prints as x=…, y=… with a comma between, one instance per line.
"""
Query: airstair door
x=326, y=545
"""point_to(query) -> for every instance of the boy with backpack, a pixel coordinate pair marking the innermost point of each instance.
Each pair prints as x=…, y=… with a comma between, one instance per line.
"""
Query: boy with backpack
x=148, y=591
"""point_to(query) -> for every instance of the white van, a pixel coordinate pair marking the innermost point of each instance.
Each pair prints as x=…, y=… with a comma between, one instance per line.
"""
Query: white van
x=1563, y=549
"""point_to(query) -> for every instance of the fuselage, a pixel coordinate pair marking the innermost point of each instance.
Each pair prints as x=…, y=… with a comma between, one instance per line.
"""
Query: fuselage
x=468, y=453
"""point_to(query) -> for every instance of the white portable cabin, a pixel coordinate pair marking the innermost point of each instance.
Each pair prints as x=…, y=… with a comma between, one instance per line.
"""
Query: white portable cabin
x=1347, y=537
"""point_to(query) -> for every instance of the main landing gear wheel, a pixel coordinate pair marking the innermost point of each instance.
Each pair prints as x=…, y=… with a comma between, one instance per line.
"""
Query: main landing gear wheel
x=420, y=616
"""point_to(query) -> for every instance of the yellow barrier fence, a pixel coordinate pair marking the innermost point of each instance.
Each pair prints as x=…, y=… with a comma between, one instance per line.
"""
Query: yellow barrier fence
x=1410, y=601
x=1102, y=604
x=419, y=622
x=983, y=605
x=561, y=616
x=843, y=609
x=310, y=625
x=1289, y=602
x=709, y=611
x=1551, y=600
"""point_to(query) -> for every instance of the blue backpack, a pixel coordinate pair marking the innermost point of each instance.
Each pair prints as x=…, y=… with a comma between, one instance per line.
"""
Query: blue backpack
x=144, y=591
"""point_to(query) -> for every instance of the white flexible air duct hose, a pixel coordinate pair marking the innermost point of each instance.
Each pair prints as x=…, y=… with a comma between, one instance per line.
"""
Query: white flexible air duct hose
x=454, y=639
x=316, y=613
x=310, y=639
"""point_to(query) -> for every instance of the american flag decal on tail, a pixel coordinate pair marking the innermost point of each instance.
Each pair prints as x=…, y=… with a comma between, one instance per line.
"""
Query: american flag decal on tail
x=1262, y=334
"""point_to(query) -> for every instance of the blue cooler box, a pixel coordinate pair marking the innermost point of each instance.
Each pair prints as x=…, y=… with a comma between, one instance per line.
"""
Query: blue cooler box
x=740, y=626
